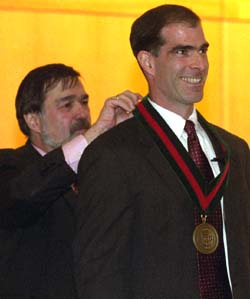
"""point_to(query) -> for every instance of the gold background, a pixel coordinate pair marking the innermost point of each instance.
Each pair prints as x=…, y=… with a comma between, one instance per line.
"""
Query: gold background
x=93, y=37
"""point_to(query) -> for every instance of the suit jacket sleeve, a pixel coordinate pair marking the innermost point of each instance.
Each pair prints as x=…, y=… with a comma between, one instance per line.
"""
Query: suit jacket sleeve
x=105, y=217
x=30, y=184
x=247, y=166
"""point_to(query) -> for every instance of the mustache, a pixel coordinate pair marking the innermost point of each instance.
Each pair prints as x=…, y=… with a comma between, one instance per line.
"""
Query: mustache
x=80, y=124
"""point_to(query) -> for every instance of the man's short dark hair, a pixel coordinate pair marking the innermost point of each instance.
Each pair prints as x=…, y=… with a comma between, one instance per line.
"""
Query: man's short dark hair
x=146, y=30
x=32, y=90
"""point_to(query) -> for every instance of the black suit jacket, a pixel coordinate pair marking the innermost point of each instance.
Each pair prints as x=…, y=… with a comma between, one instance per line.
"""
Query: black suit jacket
x=37, y=225
x=136, y=220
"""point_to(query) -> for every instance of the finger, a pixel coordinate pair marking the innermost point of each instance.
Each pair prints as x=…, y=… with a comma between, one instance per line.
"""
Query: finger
x=127, y=100
x=132, y=96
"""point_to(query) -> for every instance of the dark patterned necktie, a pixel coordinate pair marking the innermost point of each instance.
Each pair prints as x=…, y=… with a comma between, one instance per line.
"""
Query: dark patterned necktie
x=213, y=278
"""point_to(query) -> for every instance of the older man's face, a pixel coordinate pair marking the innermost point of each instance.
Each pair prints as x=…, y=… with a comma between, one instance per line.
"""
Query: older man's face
x=65, y=114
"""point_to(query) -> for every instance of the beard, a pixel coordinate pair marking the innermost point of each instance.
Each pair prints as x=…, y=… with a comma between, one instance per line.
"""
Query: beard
x=79, y=126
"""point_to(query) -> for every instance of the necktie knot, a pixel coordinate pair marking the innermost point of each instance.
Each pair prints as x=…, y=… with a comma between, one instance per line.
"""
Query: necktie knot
x=190, y=129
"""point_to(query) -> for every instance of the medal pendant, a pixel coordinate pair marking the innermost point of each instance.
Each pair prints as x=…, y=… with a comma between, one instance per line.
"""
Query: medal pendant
x=205, y=237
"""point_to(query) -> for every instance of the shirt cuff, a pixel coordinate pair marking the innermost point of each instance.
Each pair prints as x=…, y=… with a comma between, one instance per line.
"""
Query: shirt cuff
x=73, y=151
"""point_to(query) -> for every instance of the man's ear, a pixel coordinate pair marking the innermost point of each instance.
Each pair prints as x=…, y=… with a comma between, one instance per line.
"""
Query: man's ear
x=146, y=62
x=33, y=121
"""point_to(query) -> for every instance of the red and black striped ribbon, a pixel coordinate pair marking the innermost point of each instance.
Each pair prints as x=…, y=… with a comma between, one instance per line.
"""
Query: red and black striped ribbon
x=204, y=194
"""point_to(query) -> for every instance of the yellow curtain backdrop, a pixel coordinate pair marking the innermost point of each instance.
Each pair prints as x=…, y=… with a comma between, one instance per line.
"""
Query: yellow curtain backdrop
x=93, y=37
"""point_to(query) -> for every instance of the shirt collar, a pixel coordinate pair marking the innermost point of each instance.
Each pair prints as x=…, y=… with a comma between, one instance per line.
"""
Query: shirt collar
x=174, y=120
x=40, y=151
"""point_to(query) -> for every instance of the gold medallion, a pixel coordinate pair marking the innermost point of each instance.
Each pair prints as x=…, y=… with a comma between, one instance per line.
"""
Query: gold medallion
x=205, y=237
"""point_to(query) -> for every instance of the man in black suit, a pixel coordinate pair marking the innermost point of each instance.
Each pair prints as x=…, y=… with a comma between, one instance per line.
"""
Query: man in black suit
x=38, y=201
x=171, y=218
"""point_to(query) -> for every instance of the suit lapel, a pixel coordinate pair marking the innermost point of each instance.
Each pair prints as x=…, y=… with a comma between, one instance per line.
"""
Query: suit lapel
x=215, y=140
x=151, y=152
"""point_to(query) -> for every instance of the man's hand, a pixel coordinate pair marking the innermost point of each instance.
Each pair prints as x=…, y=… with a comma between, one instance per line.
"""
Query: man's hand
x=115, y=110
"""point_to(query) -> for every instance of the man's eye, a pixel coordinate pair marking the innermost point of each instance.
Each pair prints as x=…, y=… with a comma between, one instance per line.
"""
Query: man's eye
x=181, y=51
x=203, y=51
x=84, y=102
x=67, y=105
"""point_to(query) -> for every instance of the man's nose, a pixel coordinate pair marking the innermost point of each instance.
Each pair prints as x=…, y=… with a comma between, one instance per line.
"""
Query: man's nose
x=199, y=61
x=81, y=110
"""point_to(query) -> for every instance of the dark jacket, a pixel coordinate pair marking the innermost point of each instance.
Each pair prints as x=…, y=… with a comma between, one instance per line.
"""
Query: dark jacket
x=136, y=220
x=37, y=225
